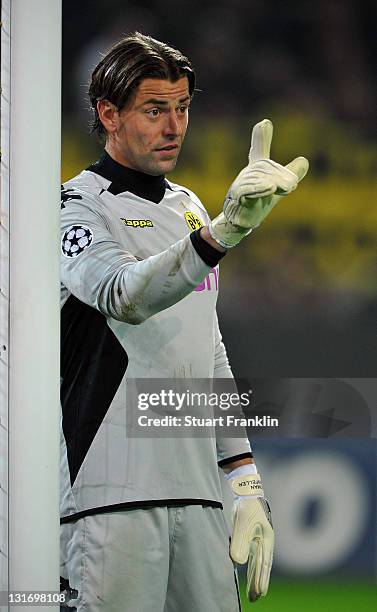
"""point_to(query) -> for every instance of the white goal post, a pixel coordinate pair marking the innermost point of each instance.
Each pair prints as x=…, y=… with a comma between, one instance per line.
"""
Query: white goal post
x=29, y=294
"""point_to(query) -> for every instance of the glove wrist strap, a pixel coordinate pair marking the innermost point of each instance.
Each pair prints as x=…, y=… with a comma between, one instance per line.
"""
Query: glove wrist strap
x=250, y=485
x=225, y=233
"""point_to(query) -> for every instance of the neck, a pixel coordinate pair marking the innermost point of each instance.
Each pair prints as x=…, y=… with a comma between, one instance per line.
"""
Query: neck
x=123, y=178
x=118, y=157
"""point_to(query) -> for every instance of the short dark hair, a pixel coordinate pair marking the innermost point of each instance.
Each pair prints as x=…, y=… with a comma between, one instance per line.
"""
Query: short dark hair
x=132, y=59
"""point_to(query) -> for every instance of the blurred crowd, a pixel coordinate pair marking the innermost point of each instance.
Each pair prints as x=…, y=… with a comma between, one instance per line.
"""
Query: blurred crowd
x=317, y=57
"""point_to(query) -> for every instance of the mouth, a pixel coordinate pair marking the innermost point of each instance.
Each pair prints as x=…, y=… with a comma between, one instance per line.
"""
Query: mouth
x=168, y=148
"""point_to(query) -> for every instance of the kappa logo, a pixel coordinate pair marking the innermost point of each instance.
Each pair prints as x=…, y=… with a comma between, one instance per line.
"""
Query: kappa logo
x=138, y=222
x=193, y=221
x=67, y=195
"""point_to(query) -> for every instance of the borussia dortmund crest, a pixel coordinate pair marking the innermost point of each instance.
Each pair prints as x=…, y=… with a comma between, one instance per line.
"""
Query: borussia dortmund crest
x=193, y=221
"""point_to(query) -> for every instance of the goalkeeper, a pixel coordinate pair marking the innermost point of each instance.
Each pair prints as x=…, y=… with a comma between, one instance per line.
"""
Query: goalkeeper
x=142, y=520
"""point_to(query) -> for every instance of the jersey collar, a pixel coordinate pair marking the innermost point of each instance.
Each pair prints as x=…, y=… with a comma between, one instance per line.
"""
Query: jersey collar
x=125, y=179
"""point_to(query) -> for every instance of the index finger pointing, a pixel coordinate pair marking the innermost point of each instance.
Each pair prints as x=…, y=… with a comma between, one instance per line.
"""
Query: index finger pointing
x=261, y=138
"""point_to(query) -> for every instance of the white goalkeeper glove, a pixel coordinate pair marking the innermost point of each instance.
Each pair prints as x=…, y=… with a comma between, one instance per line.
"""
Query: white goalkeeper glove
x=252, y=535
x=256, y=190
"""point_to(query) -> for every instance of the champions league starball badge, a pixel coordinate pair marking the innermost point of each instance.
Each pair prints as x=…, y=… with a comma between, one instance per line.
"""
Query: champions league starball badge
x=76, y=239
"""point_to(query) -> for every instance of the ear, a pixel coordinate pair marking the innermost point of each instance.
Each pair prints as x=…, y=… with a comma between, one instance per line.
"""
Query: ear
x=109, y=116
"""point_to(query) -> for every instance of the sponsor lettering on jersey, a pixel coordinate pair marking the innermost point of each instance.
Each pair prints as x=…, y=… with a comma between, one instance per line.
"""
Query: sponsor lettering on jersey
x=137, y=222
x=207, y=284
x=193, y=221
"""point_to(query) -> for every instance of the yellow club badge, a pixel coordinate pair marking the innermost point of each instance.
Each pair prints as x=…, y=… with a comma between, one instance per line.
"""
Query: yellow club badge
x=193, y=221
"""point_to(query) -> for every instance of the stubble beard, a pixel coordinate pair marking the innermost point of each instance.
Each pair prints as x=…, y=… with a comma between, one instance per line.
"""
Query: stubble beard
x=156, y=168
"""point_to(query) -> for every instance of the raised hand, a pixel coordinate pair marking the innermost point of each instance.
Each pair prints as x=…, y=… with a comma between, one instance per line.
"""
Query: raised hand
x=263, y=182
x=257, y=189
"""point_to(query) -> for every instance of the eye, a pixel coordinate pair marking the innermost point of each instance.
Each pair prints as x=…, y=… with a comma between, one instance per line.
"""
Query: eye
x=182, y=109
x=154, y=112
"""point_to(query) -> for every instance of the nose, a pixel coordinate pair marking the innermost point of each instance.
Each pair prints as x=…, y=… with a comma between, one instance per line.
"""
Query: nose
x=173, y=126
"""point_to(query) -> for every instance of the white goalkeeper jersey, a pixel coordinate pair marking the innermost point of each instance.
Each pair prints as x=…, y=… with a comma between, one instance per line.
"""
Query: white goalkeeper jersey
x=138, y=297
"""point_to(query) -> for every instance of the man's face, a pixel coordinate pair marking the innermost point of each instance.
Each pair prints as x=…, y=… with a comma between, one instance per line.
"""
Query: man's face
x=152, y=126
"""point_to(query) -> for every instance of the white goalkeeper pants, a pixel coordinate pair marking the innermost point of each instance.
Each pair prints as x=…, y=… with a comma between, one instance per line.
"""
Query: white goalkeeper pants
x=151, y=560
